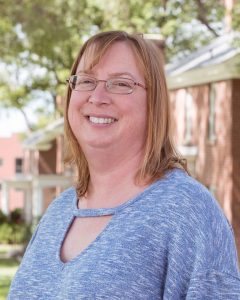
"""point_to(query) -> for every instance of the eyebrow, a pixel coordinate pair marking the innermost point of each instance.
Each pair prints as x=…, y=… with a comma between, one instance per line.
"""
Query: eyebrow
x=121, y=73
x=115, y=74
x=84, y=72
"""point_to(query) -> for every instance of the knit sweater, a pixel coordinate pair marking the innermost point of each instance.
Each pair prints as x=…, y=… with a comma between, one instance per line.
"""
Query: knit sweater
x=171, y=242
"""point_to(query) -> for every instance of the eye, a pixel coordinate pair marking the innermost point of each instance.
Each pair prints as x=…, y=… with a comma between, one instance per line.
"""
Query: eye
x=85, y=81
x=121, y=83
x=82, y=83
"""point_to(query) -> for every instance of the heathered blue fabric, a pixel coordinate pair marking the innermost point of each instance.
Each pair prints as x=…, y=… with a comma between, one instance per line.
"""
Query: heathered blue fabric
x=170, y=242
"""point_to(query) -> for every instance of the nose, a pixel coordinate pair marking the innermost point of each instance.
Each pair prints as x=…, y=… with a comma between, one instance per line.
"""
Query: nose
x=100, y=95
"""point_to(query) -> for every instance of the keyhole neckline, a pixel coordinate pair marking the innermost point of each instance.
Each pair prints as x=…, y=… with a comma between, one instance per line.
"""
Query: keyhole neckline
x=96, y=212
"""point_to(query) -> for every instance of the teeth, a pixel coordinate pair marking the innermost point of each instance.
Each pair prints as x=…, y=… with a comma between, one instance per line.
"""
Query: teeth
x=101, y=120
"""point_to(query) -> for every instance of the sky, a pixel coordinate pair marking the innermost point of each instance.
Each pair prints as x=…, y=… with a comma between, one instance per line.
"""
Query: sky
x=11, y=120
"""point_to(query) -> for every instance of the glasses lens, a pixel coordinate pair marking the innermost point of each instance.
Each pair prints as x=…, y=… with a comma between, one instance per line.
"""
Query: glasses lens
x=120, y=85
x=82, y=83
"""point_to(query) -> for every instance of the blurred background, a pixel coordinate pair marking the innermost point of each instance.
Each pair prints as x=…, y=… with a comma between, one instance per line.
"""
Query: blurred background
x=199, y=42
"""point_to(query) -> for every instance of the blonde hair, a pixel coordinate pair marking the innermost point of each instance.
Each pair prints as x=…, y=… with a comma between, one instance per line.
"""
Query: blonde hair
x=160, y=154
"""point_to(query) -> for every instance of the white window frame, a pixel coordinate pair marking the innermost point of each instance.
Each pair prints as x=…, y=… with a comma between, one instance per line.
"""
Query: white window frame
x=188, y=110
x=212, y=113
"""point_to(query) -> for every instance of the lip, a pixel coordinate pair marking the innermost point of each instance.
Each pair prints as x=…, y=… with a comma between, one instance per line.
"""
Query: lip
x=100, y=116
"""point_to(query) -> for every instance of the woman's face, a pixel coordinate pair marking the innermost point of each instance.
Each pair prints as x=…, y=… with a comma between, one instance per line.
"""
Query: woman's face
x=102, y=120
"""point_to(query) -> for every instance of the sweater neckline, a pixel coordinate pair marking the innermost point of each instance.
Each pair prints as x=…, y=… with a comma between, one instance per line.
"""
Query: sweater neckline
x=96, y=212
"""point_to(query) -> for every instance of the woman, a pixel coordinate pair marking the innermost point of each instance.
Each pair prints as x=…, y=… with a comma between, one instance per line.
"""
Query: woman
x=136, y=226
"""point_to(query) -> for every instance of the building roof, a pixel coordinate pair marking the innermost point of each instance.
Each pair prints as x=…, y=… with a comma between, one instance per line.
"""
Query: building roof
x=42, y=138
x=217, y=61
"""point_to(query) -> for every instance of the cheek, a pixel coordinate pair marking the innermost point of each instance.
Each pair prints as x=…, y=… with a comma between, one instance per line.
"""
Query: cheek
x=139, y=112
x=76, y=101
x=75, y=106
x=73, y=115
x=136, y=119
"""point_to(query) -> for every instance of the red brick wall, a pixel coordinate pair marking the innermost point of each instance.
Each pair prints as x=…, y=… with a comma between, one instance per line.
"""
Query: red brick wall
x=48, y=165
x=214, y=163
x=47, y=160
x=218, y=161
x=10, y=149
x=214, y=159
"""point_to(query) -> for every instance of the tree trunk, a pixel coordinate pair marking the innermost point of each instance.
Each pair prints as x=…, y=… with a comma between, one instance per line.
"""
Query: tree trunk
x=28, y=123
x=228, y=14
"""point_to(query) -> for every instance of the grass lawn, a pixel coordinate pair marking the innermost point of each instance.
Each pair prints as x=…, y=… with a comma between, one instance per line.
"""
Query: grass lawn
x=8, y=267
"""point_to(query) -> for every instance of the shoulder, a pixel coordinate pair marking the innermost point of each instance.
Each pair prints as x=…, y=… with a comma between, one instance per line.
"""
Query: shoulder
x=177, y=180
x=65, y=197
x=185, y=205
x=184, y=195
x=190, y=204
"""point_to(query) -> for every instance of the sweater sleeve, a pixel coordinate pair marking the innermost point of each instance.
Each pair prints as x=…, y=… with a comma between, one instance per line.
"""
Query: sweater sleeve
x=213, y=284
x=202, y=258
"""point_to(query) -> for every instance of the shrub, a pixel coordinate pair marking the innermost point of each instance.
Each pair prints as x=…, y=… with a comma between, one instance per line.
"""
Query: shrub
x=6, y=232
x=3, y=217
x=14, y=230
x=16, y=216
x=21, y=233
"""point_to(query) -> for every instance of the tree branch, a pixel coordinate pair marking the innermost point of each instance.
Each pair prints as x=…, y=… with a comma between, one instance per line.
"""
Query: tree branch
x=28, y=123
x=202, y=17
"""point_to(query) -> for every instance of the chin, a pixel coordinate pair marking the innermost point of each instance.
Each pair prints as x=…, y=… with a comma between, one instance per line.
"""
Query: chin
x=96, y=143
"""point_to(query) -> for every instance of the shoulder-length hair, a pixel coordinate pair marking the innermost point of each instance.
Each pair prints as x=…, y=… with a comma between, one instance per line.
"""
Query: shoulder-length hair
x=160, y=154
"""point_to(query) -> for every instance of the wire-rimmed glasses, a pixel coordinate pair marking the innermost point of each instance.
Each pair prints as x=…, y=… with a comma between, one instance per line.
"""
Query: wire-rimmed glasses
x=115, y=85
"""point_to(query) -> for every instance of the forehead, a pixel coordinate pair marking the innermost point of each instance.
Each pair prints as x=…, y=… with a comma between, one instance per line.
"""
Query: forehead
x=117, y=57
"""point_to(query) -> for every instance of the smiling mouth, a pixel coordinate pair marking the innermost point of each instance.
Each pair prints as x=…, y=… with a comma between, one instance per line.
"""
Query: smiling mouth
x=96, y=120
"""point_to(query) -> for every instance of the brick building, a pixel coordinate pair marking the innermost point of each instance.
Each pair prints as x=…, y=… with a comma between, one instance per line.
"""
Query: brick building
x=32, y=184
x=205, y=96
x=11, y=166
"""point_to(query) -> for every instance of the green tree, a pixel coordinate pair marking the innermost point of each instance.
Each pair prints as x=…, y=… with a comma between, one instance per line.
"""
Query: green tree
x=41, y=38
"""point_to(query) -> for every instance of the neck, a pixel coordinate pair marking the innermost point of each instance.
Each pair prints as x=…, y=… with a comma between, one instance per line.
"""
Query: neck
x=112, y=178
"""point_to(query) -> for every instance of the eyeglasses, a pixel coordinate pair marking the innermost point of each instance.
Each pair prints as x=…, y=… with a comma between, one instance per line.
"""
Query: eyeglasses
x=116, y=85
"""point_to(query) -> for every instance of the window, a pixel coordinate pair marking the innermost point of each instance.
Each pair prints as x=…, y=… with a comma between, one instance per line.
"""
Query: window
x=188, y=107
x=212, y=113
x=19, y=165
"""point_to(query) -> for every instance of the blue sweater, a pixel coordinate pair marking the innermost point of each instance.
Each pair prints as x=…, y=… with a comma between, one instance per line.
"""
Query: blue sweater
x=170, y=242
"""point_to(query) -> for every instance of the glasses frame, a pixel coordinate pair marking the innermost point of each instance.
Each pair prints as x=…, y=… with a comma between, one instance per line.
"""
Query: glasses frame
x=106, y=84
